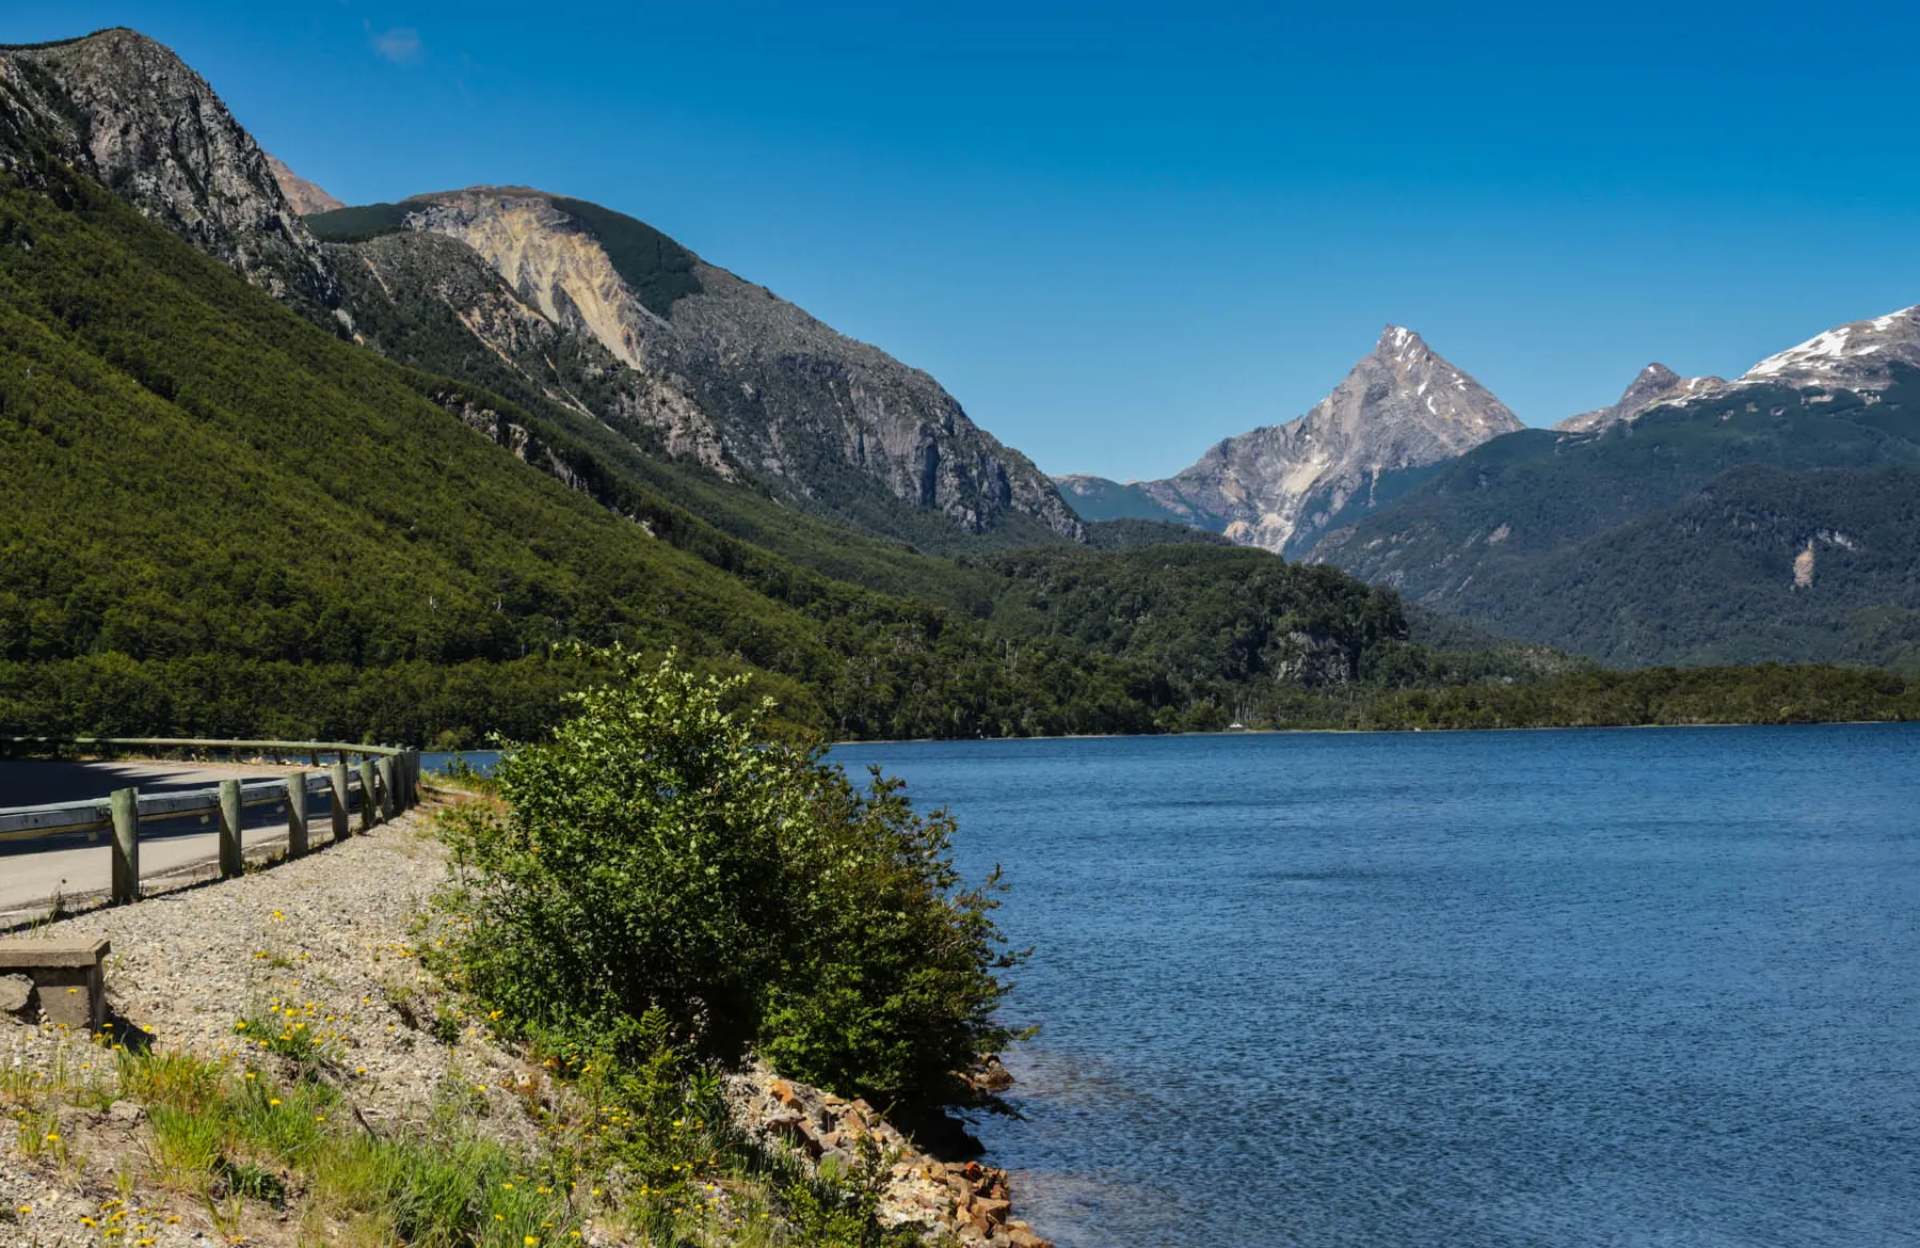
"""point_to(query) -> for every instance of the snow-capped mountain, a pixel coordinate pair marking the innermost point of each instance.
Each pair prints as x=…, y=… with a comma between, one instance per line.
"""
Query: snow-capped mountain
x=1858, y=356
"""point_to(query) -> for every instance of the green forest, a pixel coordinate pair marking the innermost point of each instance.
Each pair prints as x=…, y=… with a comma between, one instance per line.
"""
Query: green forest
x=1673, y=539
x=231, y=522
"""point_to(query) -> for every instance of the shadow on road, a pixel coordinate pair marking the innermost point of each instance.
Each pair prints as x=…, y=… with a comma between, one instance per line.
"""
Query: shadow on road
x=40, y=783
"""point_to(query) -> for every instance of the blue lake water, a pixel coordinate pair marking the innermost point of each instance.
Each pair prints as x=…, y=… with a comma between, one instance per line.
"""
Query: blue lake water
x=1471, y=990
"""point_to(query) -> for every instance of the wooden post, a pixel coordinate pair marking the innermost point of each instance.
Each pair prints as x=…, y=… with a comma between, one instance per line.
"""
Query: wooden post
x=233, y=858
x=296, y=814
x=369, y=793
x=338, y=775
x=126, y=846
x=389, y=794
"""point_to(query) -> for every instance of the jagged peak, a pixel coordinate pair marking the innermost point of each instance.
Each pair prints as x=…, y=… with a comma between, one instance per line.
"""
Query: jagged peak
x=1399, y=342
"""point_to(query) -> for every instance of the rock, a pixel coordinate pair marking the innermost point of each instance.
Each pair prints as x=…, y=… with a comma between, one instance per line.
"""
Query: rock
x=17, y=997
x=992, y=1076
x=125, y=1112
x=990, y=1212
x=761, y=382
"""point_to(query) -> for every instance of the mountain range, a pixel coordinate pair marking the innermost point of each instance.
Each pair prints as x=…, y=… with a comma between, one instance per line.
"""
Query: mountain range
x=797, y=503
x=364, y=472
x=1696, y=520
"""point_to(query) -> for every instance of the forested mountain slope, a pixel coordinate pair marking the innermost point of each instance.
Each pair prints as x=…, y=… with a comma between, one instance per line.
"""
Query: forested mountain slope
x=238, y=523
x=201, y=477
x=1675, y=537
x=827, y=423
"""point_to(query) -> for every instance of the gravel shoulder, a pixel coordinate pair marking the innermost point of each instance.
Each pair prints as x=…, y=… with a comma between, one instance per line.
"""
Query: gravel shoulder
x=335, y=937
x=330, y=934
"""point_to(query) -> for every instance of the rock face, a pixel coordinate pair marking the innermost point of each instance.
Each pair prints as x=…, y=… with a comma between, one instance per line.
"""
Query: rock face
x=960, y=1201
x=1858, y=357
x=305, y=197
x=592, y=308
x=401, y=284
x=1655, y=385
x=129, y=113
x=785, y=397
x=1402, y=406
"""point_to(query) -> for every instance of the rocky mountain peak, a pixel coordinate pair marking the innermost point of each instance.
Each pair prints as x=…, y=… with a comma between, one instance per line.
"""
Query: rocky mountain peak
x=1655, y=384
x=126, y=111
x=1404, y=385
x=305, y=197
x=1858, y=356
x=1402, y=406
x=1399, y=342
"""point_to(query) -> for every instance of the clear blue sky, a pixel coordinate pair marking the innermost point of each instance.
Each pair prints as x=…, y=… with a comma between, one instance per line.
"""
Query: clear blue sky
x=1119, y=232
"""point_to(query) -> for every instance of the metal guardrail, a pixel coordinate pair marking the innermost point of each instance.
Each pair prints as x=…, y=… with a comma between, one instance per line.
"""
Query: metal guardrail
x=387, y=781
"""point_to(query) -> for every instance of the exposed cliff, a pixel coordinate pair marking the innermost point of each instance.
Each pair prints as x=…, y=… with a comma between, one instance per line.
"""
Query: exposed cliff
x=431, y=301
x=125, y=110
x=820, y=417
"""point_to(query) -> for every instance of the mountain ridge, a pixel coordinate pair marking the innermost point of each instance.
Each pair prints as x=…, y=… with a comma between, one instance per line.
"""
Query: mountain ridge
x=127, y=111
x=784, y=397
x=830, y=424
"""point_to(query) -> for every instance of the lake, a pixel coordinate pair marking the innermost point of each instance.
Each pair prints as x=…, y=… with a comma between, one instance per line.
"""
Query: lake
x=1471, y=990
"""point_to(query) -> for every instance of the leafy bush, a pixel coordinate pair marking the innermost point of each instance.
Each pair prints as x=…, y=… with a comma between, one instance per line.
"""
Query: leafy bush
x=661, y=855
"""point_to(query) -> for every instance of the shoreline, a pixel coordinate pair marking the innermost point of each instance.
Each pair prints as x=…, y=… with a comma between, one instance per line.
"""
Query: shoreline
x=1357, y=732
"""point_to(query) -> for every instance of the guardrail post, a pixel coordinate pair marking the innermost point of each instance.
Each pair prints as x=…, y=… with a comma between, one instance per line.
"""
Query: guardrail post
x=296, y=814
x=126, y=846
x=338, y=775
x=369, y=793
x=233, y=858
x=413, y=777
x=389, y=796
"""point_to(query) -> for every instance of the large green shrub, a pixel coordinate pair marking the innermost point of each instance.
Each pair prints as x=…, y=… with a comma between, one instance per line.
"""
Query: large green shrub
x=661, y=854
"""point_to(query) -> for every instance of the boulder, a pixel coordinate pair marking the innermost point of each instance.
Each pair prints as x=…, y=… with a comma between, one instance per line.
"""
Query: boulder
x=17, y=997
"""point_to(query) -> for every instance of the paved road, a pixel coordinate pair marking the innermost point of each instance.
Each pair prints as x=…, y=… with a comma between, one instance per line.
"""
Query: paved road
x=77, y=865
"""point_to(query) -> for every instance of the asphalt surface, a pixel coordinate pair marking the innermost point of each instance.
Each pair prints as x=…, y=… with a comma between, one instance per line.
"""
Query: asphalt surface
x=77, y=865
